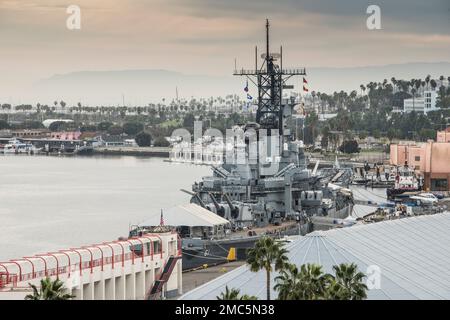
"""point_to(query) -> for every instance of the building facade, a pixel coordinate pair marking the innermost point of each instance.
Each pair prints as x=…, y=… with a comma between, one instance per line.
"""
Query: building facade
x=120, y=270
x=443, y=136
x=430, y=159
x=423, y=104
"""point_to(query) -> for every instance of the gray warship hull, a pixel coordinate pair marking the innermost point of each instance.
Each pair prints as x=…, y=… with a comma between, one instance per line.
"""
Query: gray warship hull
x=201, y=253
x=213, y=252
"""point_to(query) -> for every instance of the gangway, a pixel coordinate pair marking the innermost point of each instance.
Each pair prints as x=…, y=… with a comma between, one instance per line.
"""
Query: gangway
x=155, y=291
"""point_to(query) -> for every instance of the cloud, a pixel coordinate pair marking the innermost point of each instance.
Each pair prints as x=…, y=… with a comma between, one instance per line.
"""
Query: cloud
x=204, y=36
x=418, y=15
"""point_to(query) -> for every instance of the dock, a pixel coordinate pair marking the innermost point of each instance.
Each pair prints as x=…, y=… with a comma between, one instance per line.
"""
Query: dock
x=162, y=152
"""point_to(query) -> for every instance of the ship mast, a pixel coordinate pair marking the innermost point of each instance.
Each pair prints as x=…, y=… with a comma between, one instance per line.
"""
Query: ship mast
x=270, y=79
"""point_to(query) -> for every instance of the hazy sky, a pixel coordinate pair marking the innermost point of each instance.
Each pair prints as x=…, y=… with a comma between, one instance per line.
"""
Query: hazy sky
x=204, y=36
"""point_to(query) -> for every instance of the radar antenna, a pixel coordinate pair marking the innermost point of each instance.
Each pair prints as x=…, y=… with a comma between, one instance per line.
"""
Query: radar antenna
x=270, y=79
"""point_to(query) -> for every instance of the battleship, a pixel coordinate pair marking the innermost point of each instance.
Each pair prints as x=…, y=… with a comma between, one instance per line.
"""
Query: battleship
x=264, y=186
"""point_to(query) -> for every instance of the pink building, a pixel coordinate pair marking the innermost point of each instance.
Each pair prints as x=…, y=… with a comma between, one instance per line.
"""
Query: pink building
x=431, y=159
x=74, y=135
x=443, y=136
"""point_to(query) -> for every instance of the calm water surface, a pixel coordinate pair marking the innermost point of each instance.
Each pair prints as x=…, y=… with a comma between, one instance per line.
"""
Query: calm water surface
x=52, y=203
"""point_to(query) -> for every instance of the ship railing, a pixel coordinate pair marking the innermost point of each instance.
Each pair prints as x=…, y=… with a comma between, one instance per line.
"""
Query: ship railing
x=13, y=279
x=10, y=279
x=285, y=71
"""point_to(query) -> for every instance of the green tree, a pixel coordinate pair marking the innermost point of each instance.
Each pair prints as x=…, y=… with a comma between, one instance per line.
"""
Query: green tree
x=349, y=146
x=49, y=290
x=104, y=126
x=308, y=283
x=269, y=255
x=188, y=121
x=427, y=134
x=161, y=142
x=311, y=283
x=4, y=125
x=132, y=128
x=115, y=130
x=143, y=139
x=288, y=283
x=348, y=283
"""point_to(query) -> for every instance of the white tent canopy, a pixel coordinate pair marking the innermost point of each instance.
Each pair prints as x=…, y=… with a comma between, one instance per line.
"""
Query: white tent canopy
x=190, y=215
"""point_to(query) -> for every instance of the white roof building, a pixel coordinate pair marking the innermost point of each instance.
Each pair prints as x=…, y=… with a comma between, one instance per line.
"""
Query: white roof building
x=190, y=215
x=48, y=122
x=404, y=259
x=423, y=104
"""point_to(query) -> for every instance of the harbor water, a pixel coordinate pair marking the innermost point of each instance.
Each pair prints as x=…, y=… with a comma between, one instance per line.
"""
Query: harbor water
x=52, y=203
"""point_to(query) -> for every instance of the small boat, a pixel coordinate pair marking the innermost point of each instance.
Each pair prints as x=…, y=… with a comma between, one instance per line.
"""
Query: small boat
x=16, y=146
x=405, y=181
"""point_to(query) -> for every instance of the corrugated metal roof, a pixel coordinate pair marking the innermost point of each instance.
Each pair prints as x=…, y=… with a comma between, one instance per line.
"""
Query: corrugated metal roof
x=369, y=194
x=360, y=210
x=186, y=215
x=412, y=255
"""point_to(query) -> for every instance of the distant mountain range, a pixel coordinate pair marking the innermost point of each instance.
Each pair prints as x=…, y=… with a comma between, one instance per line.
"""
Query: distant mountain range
x=144, y=86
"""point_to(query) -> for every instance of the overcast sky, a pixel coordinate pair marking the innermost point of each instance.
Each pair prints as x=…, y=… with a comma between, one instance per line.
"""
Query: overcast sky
x=204, y=36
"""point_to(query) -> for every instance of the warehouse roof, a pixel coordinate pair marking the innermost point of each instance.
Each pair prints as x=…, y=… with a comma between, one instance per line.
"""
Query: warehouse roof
x=412, y=255
x=186, y=215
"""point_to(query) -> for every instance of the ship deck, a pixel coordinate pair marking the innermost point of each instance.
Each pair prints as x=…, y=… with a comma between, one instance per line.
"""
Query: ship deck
x=270, y=229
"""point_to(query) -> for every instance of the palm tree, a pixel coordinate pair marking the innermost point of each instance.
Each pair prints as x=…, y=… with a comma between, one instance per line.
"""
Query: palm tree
x=49, y=290
x=363, y=89
x=394, y=81
x=233, y=294
x=442, y=89
x=311, y=283
x=427, y=80
x=433, y=84
x=350, y=281
x=308, y=283
x=287, y=283
x=413, y=91
x=267, y=252
x=314, y=282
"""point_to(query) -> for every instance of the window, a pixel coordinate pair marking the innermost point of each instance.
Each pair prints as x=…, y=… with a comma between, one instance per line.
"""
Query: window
x=417, y=158
x=439, y=185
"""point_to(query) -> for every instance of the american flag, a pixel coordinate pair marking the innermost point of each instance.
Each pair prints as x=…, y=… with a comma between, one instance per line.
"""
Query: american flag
x=161, y=222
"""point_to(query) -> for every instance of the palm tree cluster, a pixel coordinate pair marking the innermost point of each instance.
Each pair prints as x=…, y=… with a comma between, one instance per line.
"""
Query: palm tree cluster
x=311, y=283
x=308, y=282
x=371, y=112
x=49, y=290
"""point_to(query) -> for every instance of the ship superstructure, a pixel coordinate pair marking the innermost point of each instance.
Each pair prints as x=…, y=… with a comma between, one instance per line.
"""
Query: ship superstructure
x=264, y=178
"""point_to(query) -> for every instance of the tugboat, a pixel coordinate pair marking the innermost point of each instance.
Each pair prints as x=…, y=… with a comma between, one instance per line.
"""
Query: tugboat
x=405, y=181
x=264, y=186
